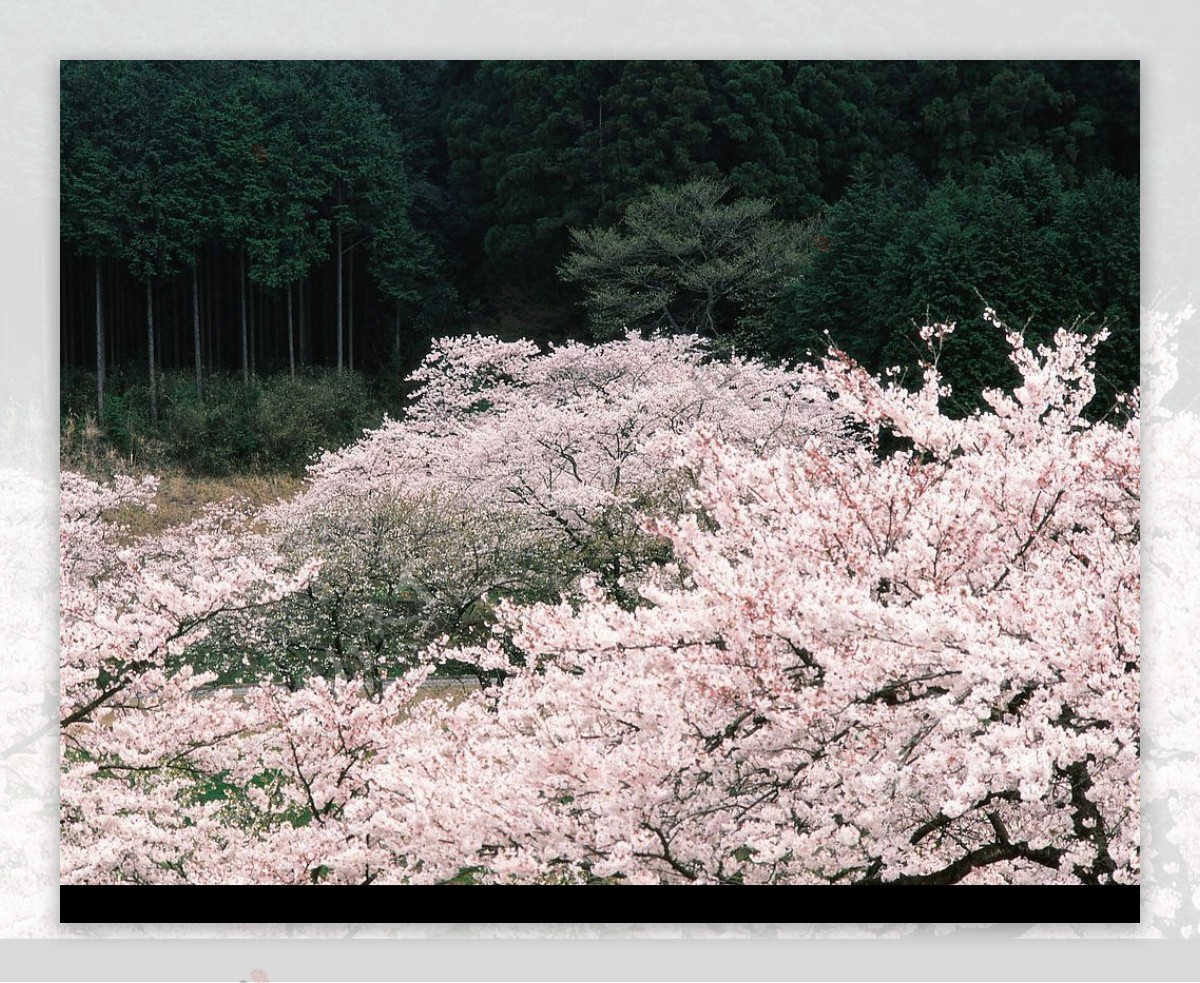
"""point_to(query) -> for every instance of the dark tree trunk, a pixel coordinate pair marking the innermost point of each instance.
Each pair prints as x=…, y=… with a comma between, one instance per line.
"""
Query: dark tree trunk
x=212, y=310
x=99, y=341
x=303, y=319
x=150, y=344
x=600, y=156
x=245, y=331
x=291, y=334
x=196, y=328
x=253, y=330
x=338, y=250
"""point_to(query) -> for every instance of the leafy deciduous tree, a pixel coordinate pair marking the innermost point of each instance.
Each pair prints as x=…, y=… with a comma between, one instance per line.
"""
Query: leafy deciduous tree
x=684, y=260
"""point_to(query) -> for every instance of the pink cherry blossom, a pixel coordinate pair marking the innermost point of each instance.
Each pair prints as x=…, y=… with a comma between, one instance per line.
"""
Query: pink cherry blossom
x=836, y=665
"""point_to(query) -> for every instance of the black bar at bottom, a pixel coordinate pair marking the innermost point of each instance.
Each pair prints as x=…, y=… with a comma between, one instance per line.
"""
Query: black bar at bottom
x=222, y=904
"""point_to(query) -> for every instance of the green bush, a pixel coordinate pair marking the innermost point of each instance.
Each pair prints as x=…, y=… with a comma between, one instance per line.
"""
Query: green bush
x=297, y=417
x=274, y=424
x=214, y=436
x=76, y=394
x=126, y=421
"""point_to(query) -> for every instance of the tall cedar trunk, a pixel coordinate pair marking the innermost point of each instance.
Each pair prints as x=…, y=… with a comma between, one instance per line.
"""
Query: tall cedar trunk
x=212, y=308
x=196, y=327
x=150, y=345
x=338, y=250
x=350, y=311
x=253, y=330
x=124, y=314
x=600, y=156
x=245, y=331
x=117, y=300
x=174, y=340
x=67, y=343
x=302, y=318
x=291, y=334
x=99, y=342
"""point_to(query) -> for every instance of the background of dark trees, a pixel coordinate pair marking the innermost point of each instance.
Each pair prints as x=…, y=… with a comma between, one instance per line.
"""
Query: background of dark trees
x=272, y=226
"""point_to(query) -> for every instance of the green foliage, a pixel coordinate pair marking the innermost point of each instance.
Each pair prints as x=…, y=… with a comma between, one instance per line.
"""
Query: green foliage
x=763, y=136
x=857, y=272
x=213, y=436
x=96, y=100
x=847, y=113
x=295, y=418
x=523, y=142
x=237, y=805
x=1041, y=254
x=168, y=169
x=659, y=129
x=275, y=425
x=684, y=260
x=76, y=394
x=1098, y=231
x=398, y=573
x=454, y=188
x=126, y=421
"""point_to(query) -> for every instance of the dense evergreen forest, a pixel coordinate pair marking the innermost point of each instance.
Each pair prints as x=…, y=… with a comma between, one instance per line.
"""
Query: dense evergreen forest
x=297, y=232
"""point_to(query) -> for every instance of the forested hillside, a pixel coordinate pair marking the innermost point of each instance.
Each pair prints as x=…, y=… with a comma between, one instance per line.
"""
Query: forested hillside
x=223, y=222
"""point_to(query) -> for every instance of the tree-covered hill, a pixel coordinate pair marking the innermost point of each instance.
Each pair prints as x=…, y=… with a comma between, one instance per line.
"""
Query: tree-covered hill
x=252, y=217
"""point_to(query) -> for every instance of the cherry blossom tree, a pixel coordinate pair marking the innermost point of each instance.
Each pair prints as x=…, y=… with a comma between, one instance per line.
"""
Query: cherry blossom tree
x=512, y=474
x=846, y=663
x=137, y=744
x=912, y=668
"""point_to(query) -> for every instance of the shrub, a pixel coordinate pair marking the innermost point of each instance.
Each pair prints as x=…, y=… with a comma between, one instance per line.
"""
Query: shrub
x=213, y=436
x=298, y=418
